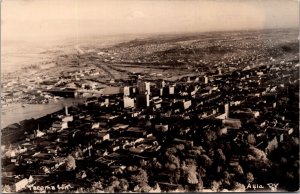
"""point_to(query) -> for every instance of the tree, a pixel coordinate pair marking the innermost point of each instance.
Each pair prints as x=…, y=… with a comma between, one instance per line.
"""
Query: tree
x=140, y=177
x=215, y=186
x=219, y=168
x=180, y=147
x=283, y=160
x=157, y=165
x=173, y=162
x=258, y=154
x=239, y=170
x=192, y=176
x=201, y=172
x=97, y=187
x=195, y=152
x=113, y=186
x=251, y=139
x=70, y=163
x=250, y=177
x=170, y=166
x=171, y=151
x=143, y=163
x=258, y=159
x=199, y=186
x=220, y=155
x=295, y=141
x=252, y=121
x=211, y=152
x=206, y=161
x=141, y=181
x=155, y=189
x=189, y=169
x=238, y=187
x=78, y=152
x=226, y=178
x=211, y=135
x=129, y=169
x=6, y=189
x=176, y=175
x=250, y=158
x=142, y=187
x=154, y=164
x=123, y=185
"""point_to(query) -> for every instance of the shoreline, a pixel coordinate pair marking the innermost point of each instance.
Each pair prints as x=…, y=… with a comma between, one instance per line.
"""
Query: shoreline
x=18, y=113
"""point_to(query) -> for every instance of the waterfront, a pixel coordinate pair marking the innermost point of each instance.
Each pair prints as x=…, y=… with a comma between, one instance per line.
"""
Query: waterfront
x=16, y=112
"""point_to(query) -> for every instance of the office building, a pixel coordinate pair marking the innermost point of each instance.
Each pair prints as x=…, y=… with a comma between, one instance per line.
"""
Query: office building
x=143, y=100
x=143, y=87
x=128, y=102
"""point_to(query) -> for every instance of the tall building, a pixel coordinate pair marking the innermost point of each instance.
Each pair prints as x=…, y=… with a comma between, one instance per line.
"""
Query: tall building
x=161, y=84
x=143, y=87
x=168, y=90
x=128, y=102
x=171, y=90
x=143, y=100
x=126, y=91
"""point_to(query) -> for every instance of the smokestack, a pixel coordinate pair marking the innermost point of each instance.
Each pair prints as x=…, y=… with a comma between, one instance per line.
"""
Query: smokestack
x=226, y=107
x=66, y=110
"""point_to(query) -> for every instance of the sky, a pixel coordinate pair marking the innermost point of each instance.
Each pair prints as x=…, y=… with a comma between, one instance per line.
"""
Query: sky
x=56, y=19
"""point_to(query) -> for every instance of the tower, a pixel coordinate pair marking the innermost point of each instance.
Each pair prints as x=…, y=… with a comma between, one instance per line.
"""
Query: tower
x=143, y=97
x=143, y=87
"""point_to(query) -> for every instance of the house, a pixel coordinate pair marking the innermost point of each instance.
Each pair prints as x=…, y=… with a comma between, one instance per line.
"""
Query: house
x=184, y=130
x=232, y=123
x=136, y=150
x=96, y=125
x=128, y=102
x=136, y=132
x=246, y=114
x=67, y=118
x=156, y=102
x=120, y=127
x=58, y=125
x=185, y=142
x=185, y=104
x=103, y=136
x=280, y=133
x=20, y=185
x=272, y=145
x=222, y=131
x=162, y=128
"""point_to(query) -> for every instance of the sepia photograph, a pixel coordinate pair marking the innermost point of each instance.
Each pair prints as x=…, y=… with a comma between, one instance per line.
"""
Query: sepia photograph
x=152, y=96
